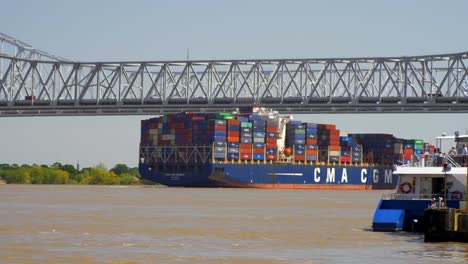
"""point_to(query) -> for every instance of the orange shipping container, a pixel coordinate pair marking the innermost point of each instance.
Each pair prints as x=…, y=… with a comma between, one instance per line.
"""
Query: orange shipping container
x=334, y=148
x=311, y=141
x=408, y=151
x=232, y=139
x=311, y=152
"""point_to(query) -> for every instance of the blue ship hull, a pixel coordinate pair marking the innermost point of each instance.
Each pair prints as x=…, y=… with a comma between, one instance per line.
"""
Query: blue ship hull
x=403, y=215
x=284, y=176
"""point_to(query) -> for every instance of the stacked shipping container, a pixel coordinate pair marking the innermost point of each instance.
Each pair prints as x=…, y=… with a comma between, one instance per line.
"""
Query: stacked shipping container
x=255, y=137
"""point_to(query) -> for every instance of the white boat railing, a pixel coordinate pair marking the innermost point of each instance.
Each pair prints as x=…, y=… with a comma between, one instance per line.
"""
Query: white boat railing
x=402, y=196
x=431, y=160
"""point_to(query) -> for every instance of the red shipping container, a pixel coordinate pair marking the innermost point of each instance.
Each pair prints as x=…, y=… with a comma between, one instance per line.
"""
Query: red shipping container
x=233, y=122
x=407, y=156
x=258, y=151
x=245, y=146
x=271, y=145
x=345, y=159
x=271, y=140
x=220, y=127
x=246, y=156
x=233, y=134
x=299, y=157
x=272, y=130
x=271, y=157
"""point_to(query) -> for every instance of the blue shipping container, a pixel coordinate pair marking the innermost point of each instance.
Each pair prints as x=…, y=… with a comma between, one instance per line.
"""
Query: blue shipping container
x=259, y=134
x=233, y=144
x=246, y=140
x=271, y=151
x=259, y=145
x=233, y=156
x=258, y=156
x=219, y=138
x=219, y=155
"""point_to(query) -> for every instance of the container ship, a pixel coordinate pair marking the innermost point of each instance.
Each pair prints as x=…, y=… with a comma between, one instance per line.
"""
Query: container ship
x=261, y=149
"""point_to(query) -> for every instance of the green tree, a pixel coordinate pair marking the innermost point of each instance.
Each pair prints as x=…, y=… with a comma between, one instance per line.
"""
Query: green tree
x=19, y=175
x=135, y=172
x=100, y=176
x=57, y=165
x=38, y=174
x=127, y=179
x=120, y=169
x=70, y=169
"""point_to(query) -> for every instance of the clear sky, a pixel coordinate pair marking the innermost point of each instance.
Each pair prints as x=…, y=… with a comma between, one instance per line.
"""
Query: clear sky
x=110, y=30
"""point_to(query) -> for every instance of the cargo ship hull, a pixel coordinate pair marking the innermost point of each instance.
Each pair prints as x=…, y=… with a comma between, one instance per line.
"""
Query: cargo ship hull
x=270, y=176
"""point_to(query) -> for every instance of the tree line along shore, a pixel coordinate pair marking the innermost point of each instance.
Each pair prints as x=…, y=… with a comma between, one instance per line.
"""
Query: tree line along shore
x=58, y=173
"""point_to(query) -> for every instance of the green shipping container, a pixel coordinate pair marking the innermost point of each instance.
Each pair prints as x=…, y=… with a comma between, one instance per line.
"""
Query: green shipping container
x=223, y=115
x=246, y=125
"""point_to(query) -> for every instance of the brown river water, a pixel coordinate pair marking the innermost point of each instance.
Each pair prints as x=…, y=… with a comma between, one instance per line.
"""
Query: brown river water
x=144, y=224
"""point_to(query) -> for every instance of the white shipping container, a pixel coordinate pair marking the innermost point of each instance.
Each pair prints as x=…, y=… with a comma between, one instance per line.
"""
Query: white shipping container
x=343, y=134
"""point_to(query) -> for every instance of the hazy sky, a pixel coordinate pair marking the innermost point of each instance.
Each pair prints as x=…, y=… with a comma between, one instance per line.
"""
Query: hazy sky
x=163, y=30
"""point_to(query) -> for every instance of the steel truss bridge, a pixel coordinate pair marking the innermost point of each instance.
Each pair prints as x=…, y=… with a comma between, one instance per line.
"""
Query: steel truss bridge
x=36, y=83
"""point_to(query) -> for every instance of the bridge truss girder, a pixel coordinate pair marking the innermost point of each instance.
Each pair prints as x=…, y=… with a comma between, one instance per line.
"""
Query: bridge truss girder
x=437, y=83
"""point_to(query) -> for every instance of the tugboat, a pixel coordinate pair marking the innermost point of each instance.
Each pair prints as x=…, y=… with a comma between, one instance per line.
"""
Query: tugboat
x=426, y=181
